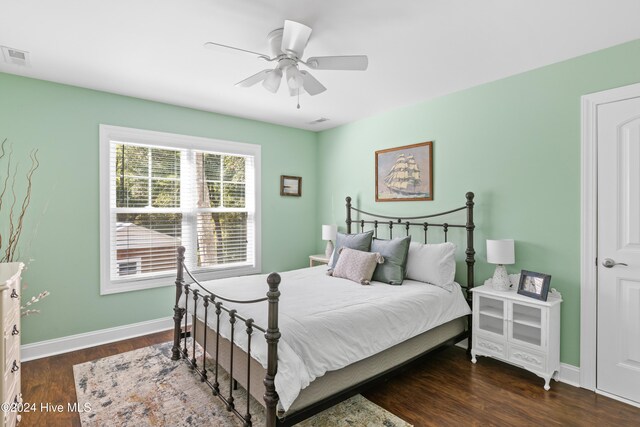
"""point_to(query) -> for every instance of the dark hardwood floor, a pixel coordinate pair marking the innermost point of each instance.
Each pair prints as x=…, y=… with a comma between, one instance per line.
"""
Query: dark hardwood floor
x=448, y=390
x=445, y=390
x=50, y=380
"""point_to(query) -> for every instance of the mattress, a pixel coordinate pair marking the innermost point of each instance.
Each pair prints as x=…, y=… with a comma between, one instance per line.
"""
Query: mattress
x=329, y=323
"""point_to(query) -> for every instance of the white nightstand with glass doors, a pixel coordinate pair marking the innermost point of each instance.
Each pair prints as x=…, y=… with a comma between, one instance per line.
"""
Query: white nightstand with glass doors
x=517, y=329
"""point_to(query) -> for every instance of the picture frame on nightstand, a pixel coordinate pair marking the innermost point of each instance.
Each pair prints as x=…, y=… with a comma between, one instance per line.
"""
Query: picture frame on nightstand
x=534, y=285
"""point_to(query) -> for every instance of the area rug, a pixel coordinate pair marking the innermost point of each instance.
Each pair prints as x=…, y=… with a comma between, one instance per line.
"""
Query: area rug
x=146, y=388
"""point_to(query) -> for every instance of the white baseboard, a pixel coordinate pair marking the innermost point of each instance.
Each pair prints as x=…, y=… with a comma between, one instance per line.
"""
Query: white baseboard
x=568, y=374
x=55, y=346
x=463, y=343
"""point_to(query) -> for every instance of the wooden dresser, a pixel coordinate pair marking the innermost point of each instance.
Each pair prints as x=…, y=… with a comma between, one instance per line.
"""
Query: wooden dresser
x=10, y=346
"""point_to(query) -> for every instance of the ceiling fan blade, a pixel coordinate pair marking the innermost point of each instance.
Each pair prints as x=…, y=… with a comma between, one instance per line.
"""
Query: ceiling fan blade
x=352, y=62
x=217, y=46
x=256, y=78
x=311, y=85
x=295, y=38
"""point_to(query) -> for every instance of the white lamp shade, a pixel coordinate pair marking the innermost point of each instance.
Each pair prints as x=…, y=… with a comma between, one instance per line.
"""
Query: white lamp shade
x=272, y=81
x=294, y=78
x=329, y=232
x=501, y=251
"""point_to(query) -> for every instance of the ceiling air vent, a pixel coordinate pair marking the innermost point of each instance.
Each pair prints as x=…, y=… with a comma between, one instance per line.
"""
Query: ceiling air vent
x=320, y=120
x=15, y=56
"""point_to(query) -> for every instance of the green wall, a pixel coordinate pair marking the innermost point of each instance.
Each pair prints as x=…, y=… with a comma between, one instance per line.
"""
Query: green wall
x=515, y=143
x=61, y=234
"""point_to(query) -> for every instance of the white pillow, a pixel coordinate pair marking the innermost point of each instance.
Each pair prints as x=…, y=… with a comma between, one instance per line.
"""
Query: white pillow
x=432, y=263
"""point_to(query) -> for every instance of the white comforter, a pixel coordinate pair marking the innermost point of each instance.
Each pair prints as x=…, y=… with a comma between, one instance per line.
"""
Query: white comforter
x=328, y=323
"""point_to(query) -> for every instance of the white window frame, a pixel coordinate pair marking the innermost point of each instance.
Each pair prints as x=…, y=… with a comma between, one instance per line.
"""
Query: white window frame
x=110, y=133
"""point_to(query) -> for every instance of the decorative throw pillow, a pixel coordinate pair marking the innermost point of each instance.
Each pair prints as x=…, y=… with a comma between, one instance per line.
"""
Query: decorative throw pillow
x=432, y=263
x=392, y=271
x=357, y=266
x=359, y=242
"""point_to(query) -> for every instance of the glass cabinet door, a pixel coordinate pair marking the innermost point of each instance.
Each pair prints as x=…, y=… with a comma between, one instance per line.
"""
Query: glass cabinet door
x=526, y=324
x=491, y=315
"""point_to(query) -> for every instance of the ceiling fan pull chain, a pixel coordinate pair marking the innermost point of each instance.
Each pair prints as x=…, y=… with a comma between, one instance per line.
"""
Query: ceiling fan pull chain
x=298, y=98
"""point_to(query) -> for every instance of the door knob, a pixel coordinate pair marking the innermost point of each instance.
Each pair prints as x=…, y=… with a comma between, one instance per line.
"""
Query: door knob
x=608, y=262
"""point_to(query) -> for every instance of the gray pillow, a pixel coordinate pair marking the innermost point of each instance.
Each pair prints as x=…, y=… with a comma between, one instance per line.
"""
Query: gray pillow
x=395, y=251
x=359, y=242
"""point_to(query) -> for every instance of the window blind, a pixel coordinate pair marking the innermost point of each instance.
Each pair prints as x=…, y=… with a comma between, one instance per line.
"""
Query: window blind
x=162, y=197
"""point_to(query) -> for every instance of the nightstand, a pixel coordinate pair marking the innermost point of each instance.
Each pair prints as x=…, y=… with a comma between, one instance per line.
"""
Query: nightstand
x=517, y=329
x=318, y=260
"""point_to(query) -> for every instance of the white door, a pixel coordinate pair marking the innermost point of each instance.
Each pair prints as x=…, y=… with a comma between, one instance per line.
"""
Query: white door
x=618, y=340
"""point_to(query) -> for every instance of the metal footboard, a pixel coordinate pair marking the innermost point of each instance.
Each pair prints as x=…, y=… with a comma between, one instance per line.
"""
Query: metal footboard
x=212, y=302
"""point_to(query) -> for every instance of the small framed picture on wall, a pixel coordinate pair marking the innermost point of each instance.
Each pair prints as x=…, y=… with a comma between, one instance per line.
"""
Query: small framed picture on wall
x=290, y=185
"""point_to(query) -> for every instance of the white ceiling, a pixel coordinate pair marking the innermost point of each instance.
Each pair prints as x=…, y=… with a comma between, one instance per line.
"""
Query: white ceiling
x=417, y=50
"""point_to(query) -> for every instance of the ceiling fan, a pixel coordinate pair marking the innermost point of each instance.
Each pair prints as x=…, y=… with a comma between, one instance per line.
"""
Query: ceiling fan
x=287, y=48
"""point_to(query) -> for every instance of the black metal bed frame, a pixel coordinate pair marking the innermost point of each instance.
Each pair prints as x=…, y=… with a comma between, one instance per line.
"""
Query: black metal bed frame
x=272, y=333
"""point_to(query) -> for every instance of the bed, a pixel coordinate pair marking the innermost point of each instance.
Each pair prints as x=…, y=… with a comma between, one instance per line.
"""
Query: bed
x=325, y=338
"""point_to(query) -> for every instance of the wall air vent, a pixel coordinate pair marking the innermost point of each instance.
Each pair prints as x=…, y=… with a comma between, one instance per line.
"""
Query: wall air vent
x=320, y=120
x=15, y=56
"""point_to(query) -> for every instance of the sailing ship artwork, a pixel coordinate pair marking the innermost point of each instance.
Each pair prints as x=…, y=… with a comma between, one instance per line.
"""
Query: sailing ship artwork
x=405, y=173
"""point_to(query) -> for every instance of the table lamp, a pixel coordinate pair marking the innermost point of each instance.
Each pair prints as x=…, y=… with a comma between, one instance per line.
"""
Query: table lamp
x=329, y=233
x=501, y=253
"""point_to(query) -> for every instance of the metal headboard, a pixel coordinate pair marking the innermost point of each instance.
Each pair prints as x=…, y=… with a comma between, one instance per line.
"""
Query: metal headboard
x=421, y=221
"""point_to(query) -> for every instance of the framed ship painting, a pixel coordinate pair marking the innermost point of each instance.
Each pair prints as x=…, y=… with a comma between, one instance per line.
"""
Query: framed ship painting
x=405, y=173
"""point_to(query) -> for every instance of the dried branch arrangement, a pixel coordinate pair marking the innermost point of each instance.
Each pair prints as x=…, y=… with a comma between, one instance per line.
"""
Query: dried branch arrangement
x=25, y=311
x=16, y=215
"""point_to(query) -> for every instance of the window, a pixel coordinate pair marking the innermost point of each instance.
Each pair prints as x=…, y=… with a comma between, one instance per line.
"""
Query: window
x=129, y=266
x=160, y=191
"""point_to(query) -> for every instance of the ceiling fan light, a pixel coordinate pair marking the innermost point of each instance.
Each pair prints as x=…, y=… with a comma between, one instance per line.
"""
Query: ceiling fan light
x=272, y=81
x=294, y=78
x=296, y=92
